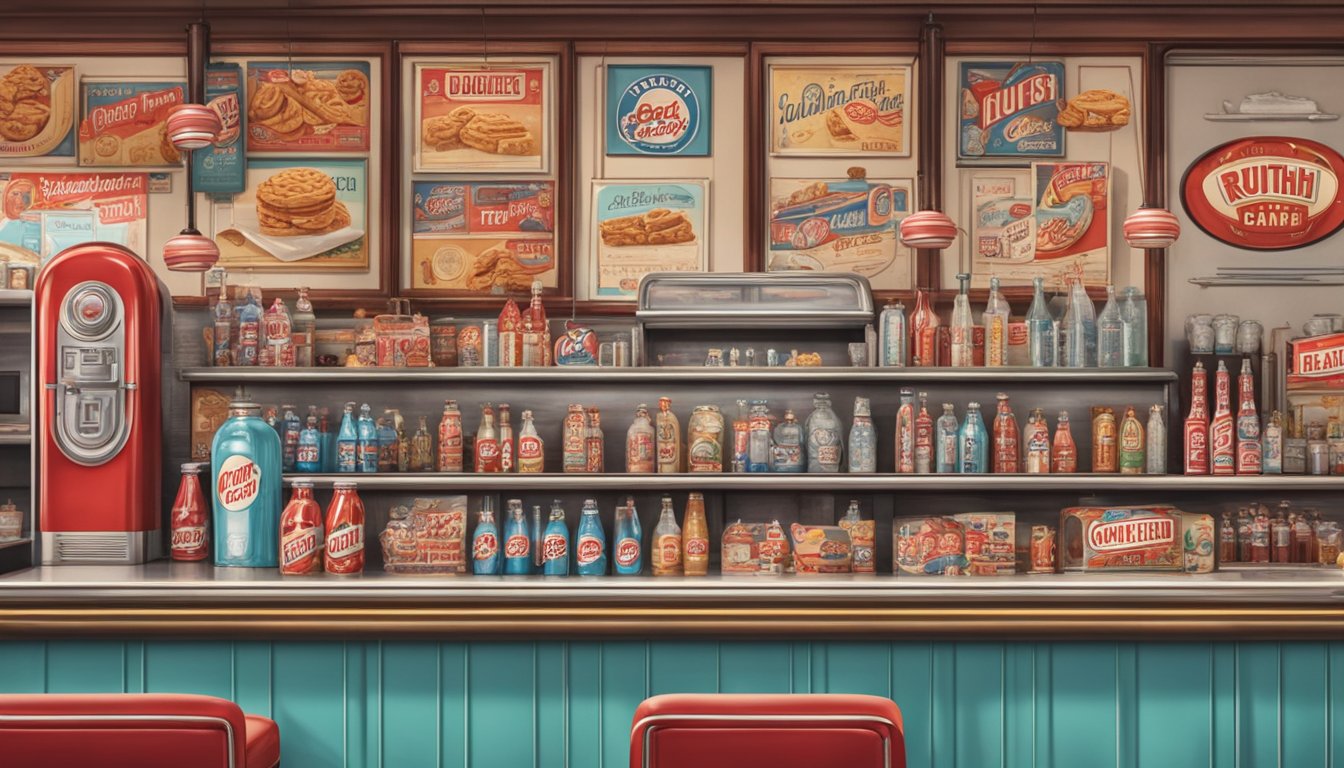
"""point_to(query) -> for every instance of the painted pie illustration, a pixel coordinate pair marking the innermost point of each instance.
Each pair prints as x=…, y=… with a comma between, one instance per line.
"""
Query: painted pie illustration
x=303, y=103
x=300, y=201
x=1095, y=110
x=491, y=132
x=657, y=227
x=25, y=108
x=838, y=128
x=498, y=267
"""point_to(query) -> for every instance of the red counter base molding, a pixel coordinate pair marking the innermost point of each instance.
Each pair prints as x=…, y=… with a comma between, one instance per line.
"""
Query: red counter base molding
x=140, y=730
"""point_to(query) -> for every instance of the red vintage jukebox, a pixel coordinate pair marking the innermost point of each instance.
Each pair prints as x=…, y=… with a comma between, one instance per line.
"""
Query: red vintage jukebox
x=100, y=323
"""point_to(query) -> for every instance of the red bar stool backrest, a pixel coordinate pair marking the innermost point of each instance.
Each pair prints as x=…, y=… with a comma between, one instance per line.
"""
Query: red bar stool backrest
x=779, y=730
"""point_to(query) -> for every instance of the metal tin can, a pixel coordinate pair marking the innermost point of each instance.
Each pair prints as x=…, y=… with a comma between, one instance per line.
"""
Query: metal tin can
x=1318, y=457
x=490, y=343
x=443, y=342
x=470, y=347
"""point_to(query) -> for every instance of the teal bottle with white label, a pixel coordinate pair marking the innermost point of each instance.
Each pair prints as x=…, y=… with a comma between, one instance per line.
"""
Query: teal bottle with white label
x=245, y=466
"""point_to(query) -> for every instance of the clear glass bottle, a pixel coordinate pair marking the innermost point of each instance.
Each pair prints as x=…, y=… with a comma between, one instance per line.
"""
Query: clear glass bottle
x=924, y=324
x=1041, y=342
x=668, y=437
x=249, y=331
x=862, y=439
x=639, y=440
x=924, y=451
x=223, y=323
x=946, y=430
x=531, y=454
x=963, y=326
x=387, y=444
x=1134, y=312
x=422, y=449
x=304, y=330
x=760, y=426
x=1110, y=333
x=788, y=454
x=892, y=336
x=666, y=551
x=1157, y=442
x=823, y=436
x=973, y=443
x=1078, y=331
x=485, y=456
x=995, y=318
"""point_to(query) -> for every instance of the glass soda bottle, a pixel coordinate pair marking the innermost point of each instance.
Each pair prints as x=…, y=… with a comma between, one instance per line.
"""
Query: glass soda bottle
x=308, y=455
x=639, y=443
x=574, y=452
x=668, y=437
x=823, y=436
x=279, y=334
x=760, y=426
x=290, y=427
x=403, y=441
x=695, y=537
x=506, y=443
x=924, y=453
x=593, y=443
x=1036, y=438
x=1079, y=329
x=1134, y=312
x=486, y=454
x=345, y=531
x=905, y=434
x=945, y=438
x=304, y=330
x=517, y=541
x=485, y=559
x=326, y=440
x=863, y=552
x=245, y=467
x=1063, y=452
x=995, y=319
x=1157, y=442
x=223, y=323
x=862, y=439
x=973, y=443
x=249, y=330
x=787, y=454
x=1041, y=342
x=368, y=440
x=666, y=551
x=1132, y=444
x=555, y=543
x=387, y=445
x=531, y=458
x=1006, y=438
x=741, y=438
x=536, y=532
x=629, y=549
x=450, y=438
x=347, y=442
x=924, y=324
x=301, y=533
x=422, y=449
x=190, y=520
x=590, y=549
x=963, y=341
x=1110, y=333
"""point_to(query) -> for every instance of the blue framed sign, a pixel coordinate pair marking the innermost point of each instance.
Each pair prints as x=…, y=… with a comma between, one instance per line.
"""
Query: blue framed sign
x=1010, y=110
x=659, y=110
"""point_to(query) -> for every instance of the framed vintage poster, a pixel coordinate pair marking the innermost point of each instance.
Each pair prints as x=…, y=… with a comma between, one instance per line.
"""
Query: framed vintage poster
x=308, y=105
x=659, y=110
x=37, y=111
x=845, y=225
x=839, y=110
x=126, y=122
x=1073, y=232
x=483, y=237
x=476, y=117
x=1009, y=111
x=45, y=213
x=1003, y=227
x=640, y=227
x=297, y=215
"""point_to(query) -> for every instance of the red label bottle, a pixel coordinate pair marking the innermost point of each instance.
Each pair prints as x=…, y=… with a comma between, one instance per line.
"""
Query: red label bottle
x=1222, y=432
x=345, y=531
x=190, y=531
x=1006, y=438
x=301, y=539
x=1197, y=424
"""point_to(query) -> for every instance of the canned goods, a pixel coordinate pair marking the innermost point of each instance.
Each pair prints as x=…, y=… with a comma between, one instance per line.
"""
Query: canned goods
x=443, y=342
x=470, y=347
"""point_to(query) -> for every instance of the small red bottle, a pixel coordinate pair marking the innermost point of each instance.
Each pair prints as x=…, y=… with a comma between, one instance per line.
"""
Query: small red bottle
x=345, y=531
x=301, y=538
x=190, y=531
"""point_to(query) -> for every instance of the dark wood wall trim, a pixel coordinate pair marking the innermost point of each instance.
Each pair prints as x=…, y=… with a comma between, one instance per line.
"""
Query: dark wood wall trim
x=1155, y=194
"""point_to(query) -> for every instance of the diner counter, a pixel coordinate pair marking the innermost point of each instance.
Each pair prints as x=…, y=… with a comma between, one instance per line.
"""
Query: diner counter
x=190, y=599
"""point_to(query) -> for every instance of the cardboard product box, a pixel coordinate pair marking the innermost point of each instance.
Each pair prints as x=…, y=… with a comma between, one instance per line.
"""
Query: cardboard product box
x=821, y=549
x=929, y=546
x=1153, y=538
x=991, y=539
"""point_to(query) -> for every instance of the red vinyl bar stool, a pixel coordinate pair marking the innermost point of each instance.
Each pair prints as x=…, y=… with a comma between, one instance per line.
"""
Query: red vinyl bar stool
x=140, y=730
x=691, y=730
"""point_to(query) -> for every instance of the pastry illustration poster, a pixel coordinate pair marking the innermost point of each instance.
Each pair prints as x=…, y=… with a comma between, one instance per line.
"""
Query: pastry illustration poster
x=659, y=110
x=845, y=225
x=37, y=111
x=473, y=117
x=646, y=226
x=1003, y=227
x=840, y=110
x=296, y=215
x=308, y=106
x=126, y=122
x=1073, y=233
x=1010, y=110
x=487, y=237
x=45, y=213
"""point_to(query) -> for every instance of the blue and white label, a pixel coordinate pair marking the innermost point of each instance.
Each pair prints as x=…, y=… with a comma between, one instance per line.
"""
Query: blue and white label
x=658, y=110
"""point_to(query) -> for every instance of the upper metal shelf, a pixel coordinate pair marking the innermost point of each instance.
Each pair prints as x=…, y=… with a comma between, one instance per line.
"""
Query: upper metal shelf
x=684, y=375
x=10, y=297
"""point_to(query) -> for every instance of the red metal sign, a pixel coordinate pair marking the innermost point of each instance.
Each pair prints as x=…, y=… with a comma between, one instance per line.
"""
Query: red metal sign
x=1317, y=361
x=1266, y=193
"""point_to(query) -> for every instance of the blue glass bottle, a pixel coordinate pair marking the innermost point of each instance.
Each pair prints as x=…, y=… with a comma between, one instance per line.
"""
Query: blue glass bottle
x=485, y=560
x=245, y=467
x=824, y=448
x=517, y=541
x=945, y=439
x=590, y=549
x=555, y=543
x=347, y=442
x=308, y=456
x=973, y=443
x=368, y=440
x=629, y=547
x=290, y=427
x=326, y=441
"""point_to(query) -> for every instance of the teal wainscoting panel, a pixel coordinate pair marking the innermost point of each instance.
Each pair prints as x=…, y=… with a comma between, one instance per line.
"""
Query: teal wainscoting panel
x=569, y=705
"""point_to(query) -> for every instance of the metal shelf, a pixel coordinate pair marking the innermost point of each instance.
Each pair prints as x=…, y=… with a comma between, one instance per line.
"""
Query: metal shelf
x=679, y=375
x=16, y=438
x=15, y=298
x=1082, y=483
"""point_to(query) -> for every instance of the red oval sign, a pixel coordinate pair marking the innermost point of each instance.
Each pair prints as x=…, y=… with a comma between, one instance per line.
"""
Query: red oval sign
x=1266, y=193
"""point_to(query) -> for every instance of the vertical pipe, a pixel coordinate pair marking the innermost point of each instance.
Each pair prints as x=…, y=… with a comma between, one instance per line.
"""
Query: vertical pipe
x=929, y=184
x=1155, y=194
x=198, y=53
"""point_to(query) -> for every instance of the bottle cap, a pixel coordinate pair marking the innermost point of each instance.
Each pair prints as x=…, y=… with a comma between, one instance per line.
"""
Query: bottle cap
x=344, y=485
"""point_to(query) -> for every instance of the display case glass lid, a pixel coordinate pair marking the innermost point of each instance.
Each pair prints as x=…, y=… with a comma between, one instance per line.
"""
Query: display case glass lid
x=737, y=297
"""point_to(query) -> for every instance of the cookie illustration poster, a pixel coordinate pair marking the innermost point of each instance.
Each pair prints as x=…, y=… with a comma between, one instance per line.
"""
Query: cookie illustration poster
x=483, y=237
x=296, y=215
x=473, y=117
x=659, y=110
x=37, y=111
x=646, y=226
x=840, y=110
x=308, y=106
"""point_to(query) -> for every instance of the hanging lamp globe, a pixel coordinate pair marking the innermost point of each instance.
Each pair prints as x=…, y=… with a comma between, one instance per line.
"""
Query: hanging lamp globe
x=193, y=126
x=928, y=230
x=1151, y=228
x=190, y=251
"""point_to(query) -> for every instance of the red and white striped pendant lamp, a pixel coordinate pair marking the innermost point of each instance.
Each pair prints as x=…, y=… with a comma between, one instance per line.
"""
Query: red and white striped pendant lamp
x=190, y=251
x=1151, y=228
x=928, y=230
x=194, y=126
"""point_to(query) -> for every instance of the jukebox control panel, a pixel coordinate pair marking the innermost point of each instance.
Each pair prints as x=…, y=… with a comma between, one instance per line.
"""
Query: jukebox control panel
x=91, y=423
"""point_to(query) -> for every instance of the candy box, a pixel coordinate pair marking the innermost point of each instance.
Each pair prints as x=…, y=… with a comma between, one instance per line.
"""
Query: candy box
x=750, y=548
x=426, y=538
x=820, y=548
x=1123, y=538
x=990, y=543
x=929, y=546
x=1198, y=542
x=863, y=538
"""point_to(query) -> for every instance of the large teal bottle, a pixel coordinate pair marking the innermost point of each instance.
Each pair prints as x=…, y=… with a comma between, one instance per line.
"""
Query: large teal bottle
x=245, y=464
